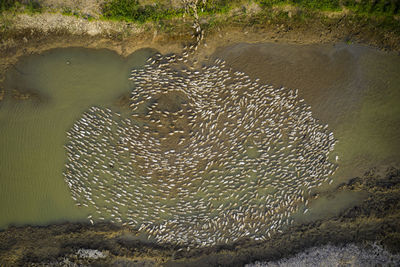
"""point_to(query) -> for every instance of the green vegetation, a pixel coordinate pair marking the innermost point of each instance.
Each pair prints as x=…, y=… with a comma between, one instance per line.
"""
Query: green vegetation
x=7, y=5
x=382, y=14
x=33, y=7
x=376, y=7
x=378, y=14
x=309, y=4
x=217, y=6
x=67, y=11
x=373, y=7
x=131, y=10
x=30, y=6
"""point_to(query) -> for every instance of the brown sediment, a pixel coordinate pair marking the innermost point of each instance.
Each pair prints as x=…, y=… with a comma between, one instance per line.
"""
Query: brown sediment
x=375, y=219
x=25, y=94
x=123, y=101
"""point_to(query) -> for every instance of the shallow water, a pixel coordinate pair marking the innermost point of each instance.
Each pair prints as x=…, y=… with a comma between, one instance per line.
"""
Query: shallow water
x=33, y=131
x=352, y=88
x=343, y=84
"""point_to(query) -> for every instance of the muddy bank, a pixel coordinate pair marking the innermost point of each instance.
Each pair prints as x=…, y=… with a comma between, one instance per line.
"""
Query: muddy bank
x=375, y=219
x=27, y=34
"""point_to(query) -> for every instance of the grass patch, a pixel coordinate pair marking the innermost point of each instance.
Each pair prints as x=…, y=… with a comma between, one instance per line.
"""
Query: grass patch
x=30, y=6
x=6, y=5
x=381, y=7
x=33, y=7
x=216, y=6
x=132, y=10
x=308, y=4
x=66, y=11
x=382, y=14
x=373, y=7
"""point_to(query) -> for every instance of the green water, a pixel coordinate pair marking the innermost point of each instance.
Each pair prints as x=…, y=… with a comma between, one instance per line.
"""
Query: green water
x=33, y=131
x=329, y=206
x=354, y=89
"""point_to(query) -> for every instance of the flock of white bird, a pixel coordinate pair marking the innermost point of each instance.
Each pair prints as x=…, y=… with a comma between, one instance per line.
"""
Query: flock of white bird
x=205, y=156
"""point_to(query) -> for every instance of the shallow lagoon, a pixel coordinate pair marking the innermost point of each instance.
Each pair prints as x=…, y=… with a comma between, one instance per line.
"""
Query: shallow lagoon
x=343, y=84
x=68, y=82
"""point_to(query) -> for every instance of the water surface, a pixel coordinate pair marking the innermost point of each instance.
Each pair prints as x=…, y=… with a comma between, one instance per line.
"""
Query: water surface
x=67, y=82
x=356, y=90
x=352, y=88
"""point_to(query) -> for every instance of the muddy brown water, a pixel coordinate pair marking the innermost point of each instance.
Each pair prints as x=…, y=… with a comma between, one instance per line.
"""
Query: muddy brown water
x=355, y=89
